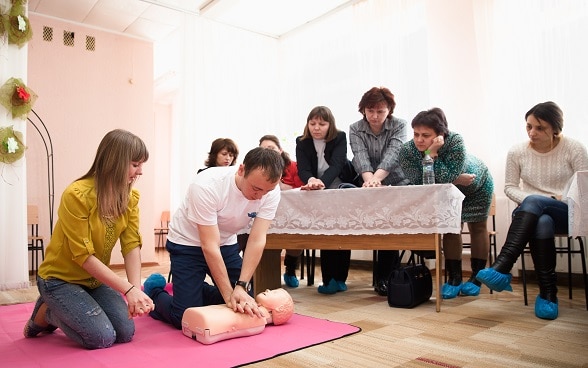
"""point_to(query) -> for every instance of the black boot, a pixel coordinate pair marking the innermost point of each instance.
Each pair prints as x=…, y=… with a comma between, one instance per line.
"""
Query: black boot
x=543, y=254
x=291, y=263
x=477, y=266
x=521, y=230
x=472, y=286
x=453, y=285
x=498, y=276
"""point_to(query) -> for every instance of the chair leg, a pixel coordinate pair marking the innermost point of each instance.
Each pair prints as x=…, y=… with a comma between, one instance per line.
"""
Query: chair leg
x=374, y=266
x=302, y=258
x=583, y=256
x=524, y=277
x=570, y=241
x=310, y=265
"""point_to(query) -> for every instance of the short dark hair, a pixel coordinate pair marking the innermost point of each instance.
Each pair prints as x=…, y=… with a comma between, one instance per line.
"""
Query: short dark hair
x=433, y=118
x=218, y=145
x=269, y=161
x=550, y=113
x=325, y=114
x=375, y=96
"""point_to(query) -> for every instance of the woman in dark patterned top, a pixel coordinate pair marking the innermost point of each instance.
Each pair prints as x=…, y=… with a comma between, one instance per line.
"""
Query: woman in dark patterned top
x=470, y=175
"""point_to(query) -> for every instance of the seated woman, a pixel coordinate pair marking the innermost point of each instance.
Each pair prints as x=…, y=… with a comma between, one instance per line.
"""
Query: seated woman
x=213, y=323
x=537, y=171
x=470, y=175
x=223, y=152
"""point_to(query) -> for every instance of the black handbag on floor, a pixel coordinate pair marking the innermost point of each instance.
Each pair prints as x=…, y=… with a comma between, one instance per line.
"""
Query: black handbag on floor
x=410, y=285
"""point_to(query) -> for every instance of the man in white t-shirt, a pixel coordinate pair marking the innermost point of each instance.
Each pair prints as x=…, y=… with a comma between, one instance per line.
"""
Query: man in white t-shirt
x=202, y=239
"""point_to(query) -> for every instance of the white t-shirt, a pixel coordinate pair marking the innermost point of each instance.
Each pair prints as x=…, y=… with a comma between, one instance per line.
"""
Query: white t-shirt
x=214, y=199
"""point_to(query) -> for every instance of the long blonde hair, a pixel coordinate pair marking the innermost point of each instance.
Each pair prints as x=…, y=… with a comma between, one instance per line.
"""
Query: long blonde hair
x=110, y=170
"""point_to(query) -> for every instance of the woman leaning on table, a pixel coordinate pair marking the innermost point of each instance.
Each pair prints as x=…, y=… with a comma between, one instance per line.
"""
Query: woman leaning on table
x=79, y=293
x=470, y=175
x=537, y=172
x=321, y=153
x=375, y=141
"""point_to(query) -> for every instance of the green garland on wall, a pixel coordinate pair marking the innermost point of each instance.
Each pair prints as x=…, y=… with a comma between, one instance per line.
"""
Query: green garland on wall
x=15, y=96
x=16, y=24
x=12, y=147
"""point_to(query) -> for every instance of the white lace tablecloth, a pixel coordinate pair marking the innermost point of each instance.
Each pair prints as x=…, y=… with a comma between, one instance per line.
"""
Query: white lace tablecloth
x=576, y=196
x=414, y=209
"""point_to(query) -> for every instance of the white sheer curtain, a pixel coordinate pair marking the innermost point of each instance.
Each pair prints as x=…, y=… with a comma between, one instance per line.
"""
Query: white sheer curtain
x=533, y=51
x=13, y=182
x=229, y=81
x=484, y=62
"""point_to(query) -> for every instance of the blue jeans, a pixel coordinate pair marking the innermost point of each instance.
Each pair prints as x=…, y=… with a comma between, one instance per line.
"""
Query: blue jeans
x=189, y=269
x=94, y=318
x=553, y=215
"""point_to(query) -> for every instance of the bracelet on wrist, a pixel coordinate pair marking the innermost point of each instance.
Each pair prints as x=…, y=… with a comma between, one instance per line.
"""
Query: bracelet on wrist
x=131, y=288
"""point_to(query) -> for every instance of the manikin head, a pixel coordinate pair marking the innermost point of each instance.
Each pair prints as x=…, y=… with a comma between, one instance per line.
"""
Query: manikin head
x=279, y=303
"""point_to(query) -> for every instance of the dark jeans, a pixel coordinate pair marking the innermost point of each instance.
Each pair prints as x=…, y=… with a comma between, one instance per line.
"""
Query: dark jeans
x=553, y=215
x=189, y=269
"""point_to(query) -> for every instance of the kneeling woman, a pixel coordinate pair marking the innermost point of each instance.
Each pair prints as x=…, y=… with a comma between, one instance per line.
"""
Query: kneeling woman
x=79, y=293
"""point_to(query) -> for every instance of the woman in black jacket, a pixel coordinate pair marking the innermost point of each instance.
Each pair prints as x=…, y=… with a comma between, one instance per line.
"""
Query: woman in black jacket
x=321, y=153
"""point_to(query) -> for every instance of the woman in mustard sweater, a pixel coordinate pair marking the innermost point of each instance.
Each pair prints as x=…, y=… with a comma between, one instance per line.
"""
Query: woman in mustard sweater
x=79, y=293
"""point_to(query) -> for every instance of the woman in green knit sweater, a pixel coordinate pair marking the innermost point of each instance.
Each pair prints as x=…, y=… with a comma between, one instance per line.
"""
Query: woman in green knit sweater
x=470, y=175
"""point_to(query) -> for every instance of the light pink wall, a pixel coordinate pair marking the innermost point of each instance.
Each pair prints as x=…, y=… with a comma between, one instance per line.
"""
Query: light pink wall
x=83, y=95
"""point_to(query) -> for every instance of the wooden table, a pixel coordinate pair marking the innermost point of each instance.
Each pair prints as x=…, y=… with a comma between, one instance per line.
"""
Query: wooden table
x=387, y=218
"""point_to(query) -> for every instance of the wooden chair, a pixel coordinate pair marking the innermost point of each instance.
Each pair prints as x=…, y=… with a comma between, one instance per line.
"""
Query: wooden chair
x=162, y=231
x=566, y=247
x=491, y=233
x=36, y=242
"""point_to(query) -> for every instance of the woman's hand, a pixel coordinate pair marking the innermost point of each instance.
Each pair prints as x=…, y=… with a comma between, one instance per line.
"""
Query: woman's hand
x=313, y=184
x=438, y=142
x=139, y=304
x=465, y=179
x=372, y=183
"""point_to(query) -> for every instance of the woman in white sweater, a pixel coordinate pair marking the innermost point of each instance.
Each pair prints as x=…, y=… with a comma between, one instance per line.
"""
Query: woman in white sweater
x=536, y=175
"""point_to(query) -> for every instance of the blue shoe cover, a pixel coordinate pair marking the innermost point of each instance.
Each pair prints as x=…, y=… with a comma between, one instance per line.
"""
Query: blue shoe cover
x=291, y=281
x=450, y=291
x=155, y=280
x=470, y=289
x=545, y=309
x=331, y=288
x=495, y=280
x=341, y=286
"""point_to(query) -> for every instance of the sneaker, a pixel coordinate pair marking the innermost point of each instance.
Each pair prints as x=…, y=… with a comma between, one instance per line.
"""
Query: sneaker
x=291, y=280
x=545, y=309
x=331, y=288
x=341, y=286
x=450, y=291
x=495, y=280
x=470, y=289
x=154, y=281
